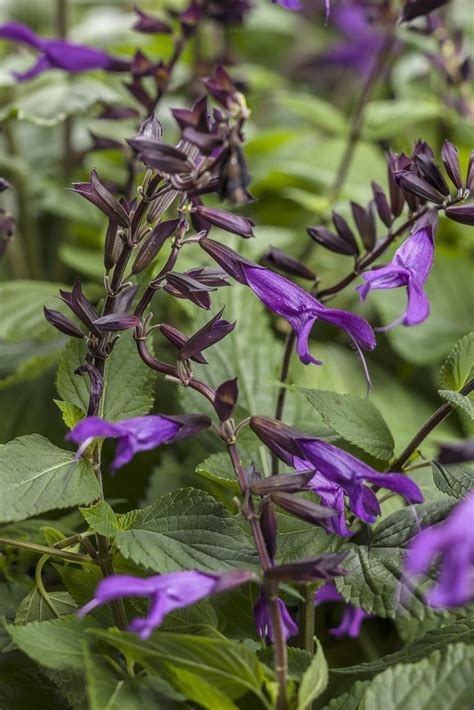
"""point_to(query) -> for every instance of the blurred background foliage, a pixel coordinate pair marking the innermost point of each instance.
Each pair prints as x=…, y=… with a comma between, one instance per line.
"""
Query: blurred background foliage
x=301, y=112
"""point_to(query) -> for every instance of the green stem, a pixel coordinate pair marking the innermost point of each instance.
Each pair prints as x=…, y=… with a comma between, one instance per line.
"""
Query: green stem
x=40, y=586
x=45, y=550
x=307, y=618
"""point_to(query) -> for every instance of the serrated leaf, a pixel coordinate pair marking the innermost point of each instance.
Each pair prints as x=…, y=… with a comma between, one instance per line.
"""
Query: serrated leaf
x=128, y=383
x=349, y=700
x=455, y=480
x=355, y=419
x=197, y=688
x=57, y=644
x=181, y=530
x=459, y=400
x=458, y=366
x=34, y=607
x=314, y=680
x=444, y=680
x=375, y=573
x=70, y=413
x=227, y=665
x=36, y=476
x=218, y=468
x=461, y=630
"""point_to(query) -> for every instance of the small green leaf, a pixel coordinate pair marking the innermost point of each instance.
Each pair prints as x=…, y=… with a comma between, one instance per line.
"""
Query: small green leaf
x=466, y=403
x=218, y=468
x=459, y=365
x=36, y=476
x=71, y=414
x=315, y=679
x=34, y=607
x=355, y=419
x=455, y=480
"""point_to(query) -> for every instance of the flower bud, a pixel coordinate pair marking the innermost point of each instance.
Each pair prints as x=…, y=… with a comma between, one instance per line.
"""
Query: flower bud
x=432, y=174
x=280, y=438
x=226, y=257
x=268, y=525
x=124, y=300
x=418, y=8
x=151, y=129
x=331, y=241
x=117, y=321
x=102, y=198
x=153, y=243
x=302, y=508
x=206, y=142
x=381, y=203
x=209, y=276
x=113, y=246
x=226, y=399
x=288, y=483
x=149, y=24
x=80, y=306
x=221, y=87
x=450, y=156
x=344, y=231
x=160, y=156
x=470, y=172
x=464, y=214
x=182, y=286
x=227, y=220
x=4, y=184
x=288, y=264
x=413, y=184
x=324, y=566
x=61, y=323
x=213, y=331
x=365, y=222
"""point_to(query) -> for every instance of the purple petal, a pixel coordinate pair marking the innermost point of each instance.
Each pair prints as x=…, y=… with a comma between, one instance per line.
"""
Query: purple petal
x=42, y=65
x=327, y=593
x=418, y=308
x=17, y=32
x=416, y=253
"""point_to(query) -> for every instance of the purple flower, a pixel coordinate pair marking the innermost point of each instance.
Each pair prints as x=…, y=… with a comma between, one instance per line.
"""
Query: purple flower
x=289, y=4
x=58, y=54
x=289, y=301
x=263, y=620
x=137, y=434
x=337, y=473
x=167, y=592
x=410, y=267
x=453, y=542
x=352, y=617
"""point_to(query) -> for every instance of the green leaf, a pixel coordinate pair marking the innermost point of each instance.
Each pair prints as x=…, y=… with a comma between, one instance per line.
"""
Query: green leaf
x=36, y=476
x=349, y=700
x=218, y=468
x=11, y=596
x=355, y=419
x=128, y=383
x=181, y=530
x=314, y=681
x=387, y=118
x=57, y=644
x=443, y=680
x=21, y=310
x=455, y=480
x=81, y=583
x=195, y=687
x=54, y=99
x=24, y=687
x=226, y=665
x=315, y=110
x=459, y=400
x=34, y=607
x=460, y=630
x=71, y=414
x=298, y=539
x=375, y=572
x=30, y=369
x=459, y=365
x=451, y=296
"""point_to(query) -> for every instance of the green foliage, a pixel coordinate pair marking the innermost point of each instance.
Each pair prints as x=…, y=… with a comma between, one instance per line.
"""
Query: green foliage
x=455, y=480
x=314, y=680
x=459, y=365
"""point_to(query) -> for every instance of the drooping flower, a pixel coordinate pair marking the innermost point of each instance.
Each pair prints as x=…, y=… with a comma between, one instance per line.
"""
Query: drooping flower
x=289, y=301
x=59, y=54
x=352, y=617
x=336, y=473
x=452, y=544
x=137, y=434
x=410, y=268
x=167, y=592
x=263, y=620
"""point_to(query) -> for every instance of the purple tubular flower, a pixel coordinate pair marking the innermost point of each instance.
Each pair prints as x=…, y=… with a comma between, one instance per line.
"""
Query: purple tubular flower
x=289, y=301
x=58, y=54
x=464, y=214
x=137, y=434
x=352, y=617
x=410, y=267
x=263, y=620
x=456, y=452
x=336, y=473
x=453, y=541
x=167, y=592
x=213, y=331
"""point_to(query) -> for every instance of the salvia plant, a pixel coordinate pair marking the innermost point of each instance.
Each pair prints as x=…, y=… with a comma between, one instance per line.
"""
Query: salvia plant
x=253, y=486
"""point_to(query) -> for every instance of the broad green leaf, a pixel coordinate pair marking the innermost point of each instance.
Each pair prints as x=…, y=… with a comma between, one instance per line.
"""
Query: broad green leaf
x=298, y=539
x=459, y=365
x=444, y=680
x=31, y=369
x=56, y=644
x=128, y=383
x=314, y=680
x=350, y=700
x=315, y=110
x=181, y=530
x=34, y=607
x=227, y=665
x=451, y=296
x=387, y=118
x=21, y=310
x=461, y=630
x=55, y=98
x=218, y=468
x=195, y=687
x=455, y=479
x=11, y=596
x=458, y=400
x=23, y=686
x=70, y=413
x=376, y=571
x=36, y=476
x=355, y=419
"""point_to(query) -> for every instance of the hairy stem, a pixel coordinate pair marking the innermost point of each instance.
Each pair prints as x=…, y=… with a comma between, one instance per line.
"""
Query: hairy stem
x=307, y=619
x=435, y=419
x=45, y=550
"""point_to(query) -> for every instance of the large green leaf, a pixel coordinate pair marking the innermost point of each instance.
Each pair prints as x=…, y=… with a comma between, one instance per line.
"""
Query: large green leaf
x=459, y=365
x=56, y=644
x=355, y=419
x=21, y=309
x=181, y=530
x=36, y=476
x=314, y=680
x=128, y=383
x=375, y=572
x=443, y=681
x=226, y=665
x=461, y=630
x=455, y=480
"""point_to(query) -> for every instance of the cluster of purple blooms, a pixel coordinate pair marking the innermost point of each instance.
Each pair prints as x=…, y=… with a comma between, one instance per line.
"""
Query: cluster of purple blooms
x=209, y=158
